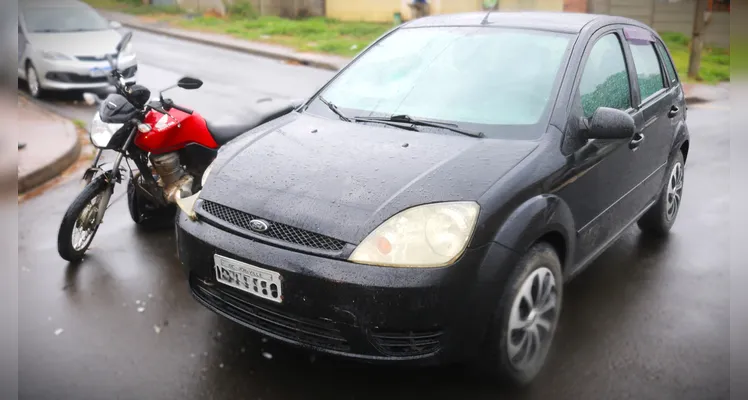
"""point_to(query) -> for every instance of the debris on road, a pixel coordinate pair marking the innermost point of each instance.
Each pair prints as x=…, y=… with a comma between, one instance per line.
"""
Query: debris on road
x=267, y=355
x=157, y=329
x=141, y=309
x=59, y=331
x=150, y=296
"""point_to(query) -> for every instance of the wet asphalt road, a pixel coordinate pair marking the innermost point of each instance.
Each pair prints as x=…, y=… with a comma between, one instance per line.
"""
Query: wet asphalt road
x=648, y=320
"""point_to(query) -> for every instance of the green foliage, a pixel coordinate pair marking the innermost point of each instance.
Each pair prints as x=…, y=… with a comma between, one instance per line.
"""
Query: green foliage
x=715, y=61
x=242, y=9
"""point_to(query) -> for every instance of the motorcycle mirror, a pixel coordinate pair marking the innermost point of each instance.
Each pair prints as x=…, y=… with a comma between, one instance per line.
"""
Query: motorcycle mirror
x=124, y=42
x=90, y=98
x=189, y=83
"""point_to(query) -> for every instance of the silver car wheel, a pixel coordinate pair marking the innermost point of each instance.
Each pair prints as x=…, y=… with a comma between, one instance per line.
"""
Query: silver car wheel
x=674, y=191
x=33, y=81
x=532, y=320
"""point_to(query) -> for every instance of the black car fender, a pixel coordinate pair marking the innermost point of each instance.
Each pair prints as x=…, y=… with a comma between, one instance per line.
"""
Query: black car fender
x=681, y=138
x=541, y=216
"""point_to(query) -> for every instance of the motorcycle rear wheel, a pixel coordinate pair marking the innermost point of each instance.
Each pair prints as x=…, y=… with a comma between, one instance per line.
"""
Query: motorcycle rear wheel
x=79, y=226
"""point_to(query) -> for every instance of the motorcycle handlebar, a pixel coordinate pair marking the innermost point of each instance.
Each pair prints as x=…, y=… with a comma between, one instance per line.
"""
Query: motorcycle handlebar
x=182, y=109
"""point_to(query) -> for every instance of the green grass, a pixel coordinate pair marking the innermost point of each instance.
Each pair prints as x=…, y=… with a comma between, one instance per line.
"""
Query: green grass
x=315, y=34
x=79, y=124
x=134, y=7
x=715, y=62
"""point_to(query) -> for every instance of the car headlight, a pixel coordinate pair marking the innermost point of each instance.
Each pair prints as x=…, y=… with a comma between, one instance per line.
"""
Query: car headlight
x=55, y=56
x=128, y=51
x=101, y=132
x=205, y=175
x=431, y=235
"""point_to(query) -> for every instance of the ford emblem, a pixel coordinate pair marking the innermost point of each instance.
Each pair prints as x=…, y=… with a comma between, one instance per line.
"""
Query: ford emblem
x=258, y=225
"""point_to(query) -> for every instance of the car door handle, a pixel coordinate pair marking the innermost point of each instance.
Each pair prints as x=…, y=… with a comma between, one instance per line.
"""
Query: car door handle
x=636, y=141
x=673, y=111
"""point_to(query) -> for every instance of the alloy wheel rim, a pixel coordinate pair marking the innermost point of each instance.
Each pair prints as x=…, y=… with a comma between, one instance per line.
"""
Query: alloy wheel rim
x=33, y=82
x=532, y=320
x=85, y=225
x=674, y=191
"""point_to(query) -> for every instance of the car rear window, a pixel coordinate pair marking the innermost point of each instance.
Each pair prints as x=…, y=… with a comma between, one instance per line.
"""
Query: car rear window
x=648, y=72
x=55, y=19
x=488, y=79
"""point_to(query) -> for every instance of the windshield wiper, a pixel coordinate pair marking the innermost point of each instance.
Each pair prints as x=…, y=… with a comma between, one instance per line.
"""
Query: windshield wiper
x=47, y=31
x=334, y=109
x=405, y=119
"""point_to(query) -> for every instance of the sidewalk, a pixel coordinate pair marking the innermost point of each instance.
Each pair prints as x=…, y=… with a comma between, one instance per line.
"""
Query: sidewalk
x=322, y=61
x=52, y=145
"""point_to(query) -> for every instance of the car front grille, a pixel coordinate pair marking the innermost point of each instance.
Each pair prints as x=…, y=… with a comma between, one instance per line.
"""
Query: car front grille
x=305, y=331
x=275, y=230
x=93, y=58
x=407, y=343
x=69, y=77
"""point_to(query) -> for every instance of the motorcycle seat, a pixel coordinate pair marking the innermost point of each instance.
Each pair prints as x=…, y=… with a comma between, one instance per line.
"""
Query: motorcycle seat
x=224, y=133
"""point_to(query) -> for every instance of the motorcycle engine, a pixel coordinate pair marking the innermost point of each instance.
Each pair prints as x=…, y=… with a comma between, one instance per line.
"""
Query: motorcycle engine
x=174, y=180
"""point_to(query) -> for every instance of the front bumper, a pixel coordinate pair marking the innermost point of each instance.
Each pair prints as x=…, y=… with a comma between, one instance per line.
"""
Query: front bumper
x=429, y=315
x=75, y=74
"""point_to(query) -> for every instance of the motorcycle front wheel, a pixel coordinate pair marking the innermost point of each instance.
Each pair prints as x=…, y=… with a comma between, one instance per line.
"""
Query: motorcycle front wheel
x=79, y=225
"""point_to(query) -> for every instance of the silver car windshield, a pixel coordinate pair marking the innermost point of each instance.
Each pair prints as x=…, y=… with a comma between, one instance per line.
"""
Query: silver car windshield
x=53, y=19
x=487, y=79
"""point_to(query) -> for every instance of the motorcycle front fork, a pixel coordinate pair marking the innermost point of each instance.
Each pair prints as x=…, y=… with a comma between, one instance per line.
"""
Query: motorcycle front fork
x=114, y=177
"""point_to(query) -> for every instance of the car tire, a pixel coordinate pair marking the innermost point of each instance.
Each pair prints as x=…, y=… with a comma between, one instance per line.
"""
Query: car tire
x=32, y=81
x=508, y=343
x=659, y=219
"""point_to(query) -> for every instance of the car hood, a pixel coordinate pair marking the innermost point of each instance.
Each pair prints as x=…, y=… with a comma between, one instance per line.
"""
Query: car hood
x=342, y=179
x=92, y=43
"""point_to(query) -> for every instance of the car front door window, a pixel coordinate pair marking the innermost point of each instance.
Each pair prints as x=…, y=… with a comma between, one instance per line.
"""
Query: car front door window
x=605, y=80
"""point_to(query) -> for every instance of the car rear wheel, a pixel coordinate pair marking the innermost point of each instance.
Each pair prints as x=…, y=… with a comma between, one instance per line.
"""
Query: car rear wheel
x=659, y=219
x=32, y=79
x=525, y=320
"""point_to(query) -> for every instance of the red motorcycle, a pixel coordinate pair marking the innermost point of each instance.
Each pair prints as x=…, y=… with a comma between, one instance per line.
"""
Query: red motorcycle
x=170, y=146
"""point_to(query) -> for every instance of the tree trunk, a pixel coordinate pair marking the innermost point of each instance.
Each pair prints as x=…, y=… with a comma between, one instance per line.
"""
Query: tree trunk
x=697, y=41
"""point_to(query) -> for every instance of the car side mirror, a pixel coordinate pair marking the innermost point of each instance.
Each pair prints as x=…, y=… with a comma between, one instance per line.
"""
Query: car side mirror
x=189, y=83
x=115, y=25
x=609, y=123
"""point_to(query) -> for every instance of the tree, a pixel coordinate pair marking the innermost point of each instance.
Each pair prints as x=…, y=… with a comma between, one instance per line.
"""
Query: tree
x=701, y=20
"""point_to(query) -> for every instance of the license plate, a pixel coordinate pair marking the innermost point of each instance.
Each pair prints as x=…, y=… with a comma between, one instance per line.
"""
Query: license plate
x=248, y=278
x=99, y=72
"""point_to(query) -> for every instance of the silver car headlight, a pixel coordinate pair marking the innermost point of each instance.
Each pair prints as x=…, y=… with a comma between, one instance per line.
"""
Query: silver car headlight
x=101, y=132
x=431, y=235
x=205, y=175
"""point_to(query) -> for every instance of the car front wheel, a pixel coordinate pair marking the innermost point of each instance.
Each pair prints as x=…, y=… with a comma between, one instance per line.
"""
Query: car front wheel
x=32, y=78
x=525, y=320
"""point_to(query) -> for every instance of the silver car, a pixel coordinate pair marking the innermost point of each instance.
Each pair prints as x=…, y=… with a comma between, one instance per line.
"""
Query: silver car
x=63, y=44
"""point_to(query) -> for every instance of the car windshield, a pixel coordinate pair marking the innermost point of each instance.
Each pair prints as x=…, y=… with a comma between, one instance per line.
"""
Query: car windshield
x=492, y=80
x=63, y=19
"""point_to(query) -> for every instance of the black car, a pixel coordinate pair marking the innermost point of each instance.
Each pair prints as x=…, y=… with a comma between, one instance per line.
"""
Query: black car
x=430, y=201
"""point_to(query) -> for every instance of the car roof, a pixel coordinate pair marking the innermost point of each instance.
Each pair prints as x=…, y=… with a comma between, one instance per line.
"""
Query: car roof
x=549, y=21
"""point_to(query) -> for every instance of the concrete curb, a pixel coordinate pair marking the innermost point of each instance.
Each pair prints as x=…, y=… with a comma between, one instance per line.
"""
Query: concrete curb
x=267, y=53
x=53, y=168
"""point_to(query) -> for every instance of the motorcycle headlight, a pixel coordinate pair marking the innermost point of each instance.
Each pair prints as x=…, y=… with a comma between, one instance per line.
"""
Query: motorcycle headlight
x=101, y=132
x=431, y=235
